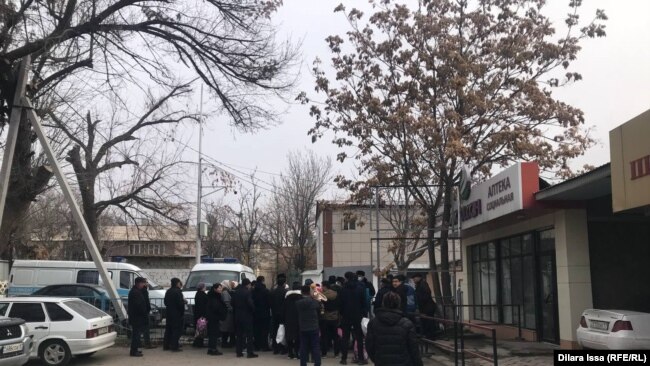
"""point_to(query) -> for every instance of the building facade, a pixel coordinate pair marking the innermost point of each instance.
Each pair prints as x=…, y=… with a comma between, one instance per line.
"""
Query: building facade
x=538, y=256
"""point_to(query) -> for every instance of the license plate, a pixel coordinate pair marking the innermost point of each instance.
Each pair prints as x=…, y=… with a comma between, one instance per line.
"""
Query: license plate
x=10, y=348
x=101, y=331
x=599, y=325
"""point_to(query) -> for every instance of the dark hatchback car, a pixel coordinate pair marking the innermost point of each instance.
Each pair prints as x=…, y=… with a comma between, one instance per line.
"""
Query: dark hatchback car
x=95, y=295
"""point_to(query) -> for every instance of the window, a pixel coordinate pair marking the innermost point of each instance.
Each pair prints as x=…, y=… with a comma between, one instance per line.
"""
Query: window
x=147, y=249
x=3, y=308
x=84, y=309
x=56, y=313
x=91, y=276
x=28, y=311
x=127, y=279
x=349, y=224
x=484, y=277
x=518, y=280
x=210, y=278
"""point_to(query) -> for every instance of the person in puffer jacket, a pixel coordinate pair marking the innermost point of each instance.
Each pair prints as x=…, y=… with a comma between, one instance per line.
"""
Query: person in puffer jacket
x=391, y=339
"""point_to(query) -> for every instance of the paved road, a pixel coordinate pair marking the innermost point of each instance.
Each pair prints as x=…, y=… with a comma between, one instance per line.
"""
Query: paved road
x=119, y=356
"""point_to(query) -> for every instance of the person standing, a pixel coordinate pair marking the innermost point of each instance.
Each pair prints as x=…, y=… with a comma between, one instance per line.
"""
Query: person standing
x=262, y=315
x=216, y=311
x=369, y=290
x=146, y=332
x=244, y=309
x=277, y=312
x=308, y=310
x=352, y=307
x=330, y=320
x=200, y=308
x=175, y=304
x=391, y=338
x=291, y=326
x=227, y=327
x=137, y=311
x=400, y=289
x=426, y=305
x=385, y=286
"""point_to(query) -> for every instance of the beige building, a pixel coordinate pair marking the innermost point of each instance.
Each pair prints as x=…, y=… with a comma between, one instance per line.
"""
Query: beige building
x=539, y=255
x=347, y=240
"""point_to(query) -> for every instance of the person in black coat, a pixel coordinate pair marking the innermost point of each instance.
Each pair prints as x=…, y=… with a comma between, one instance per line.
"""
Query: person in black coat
x=175, y=304
x=138, y=315
x=425, y=304
x=291, y=327
x=385, y=288
x=262, y=315
x=391, y=338
x=353, y=304
x=200, y=309
x=244, y=309
x=400, y=289
x=277, y=312
x=216, y=311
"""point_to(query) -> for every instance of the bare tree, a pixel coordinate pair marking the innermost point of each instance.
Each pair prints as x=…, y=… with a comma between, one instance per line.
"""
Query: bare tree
x=292, y=208
x=222, y=239
x=105, y=147
x=246, y=218
x=85, y=48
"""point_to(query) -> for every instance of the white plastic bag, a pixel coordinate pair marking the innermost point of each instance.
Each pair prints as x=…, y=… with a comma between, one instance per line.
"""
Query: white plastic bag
x=364, y=325
x=280, y=338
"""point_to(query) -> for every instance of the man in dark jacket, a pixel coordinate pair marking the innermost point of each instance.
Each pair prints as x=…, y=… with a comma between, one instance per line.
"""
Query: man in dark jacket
x=137, y=311
x=262, y=315
x=216, y=311
x=391, y=338
x=200, y=310
x=352, y=306
x=244, y=309
x=330, y=320
x=400, y=289
x=426, y=305
x=385, y=287
x=291, y=326
x=369, y=292
x=277, y=311
x=175, y=304
x=308, y=310
x=334, y=285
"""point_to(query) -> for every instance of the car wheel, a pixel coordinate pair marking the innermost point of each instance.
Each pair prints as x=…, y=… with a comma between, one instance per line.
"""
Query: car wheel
x=54, y=352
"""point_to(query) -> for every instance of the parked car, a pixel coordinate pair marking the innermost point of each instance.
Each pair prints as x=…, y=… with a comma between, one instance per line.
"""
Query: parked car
x=614, y=329
x=94, y=295
x=15, y=342
x=61, y=327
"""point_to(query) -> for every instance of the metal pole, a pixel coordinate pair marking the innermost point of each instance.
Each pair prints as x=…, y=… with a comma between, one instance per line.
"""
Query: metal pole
x=494, y=347
x=519, y=320
x=200, y=173
x=458, y=231
x=76, y=212
x=377, y=227
x=12, y=135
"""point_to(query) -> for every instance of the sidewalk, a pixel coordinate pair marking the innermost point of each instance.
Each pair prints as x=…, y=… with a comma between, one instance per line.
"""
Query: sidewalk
x=510, y=353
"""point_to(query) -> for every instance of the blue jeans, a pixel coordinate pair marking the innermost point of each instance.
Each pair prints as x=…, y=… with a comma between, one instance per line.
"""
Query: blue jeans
x=309, y=340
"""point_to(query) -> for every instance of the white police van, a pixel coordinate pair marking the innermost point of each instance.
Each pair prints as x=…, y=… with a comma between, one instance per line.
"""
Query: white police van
x=27, y=276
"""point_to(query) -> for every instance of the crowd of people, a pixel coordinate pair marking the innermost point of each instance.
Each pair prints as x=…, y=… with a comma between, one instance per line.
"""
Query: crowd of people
x=302, y=321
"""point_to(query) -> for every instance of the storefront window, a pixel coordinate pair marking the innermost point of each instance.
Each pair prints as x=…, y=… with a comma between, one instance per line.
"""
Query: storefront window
x=516, y=284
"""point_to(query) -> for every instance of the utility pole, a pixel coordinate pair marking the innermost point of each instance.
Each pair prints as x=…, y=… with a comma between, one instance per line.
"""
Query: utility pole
x=200, y=173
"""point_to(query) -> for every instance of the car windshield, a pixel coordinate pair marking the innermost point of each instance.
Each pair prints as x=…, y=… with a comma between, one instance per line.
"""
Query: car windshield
x=209, y=277
x=84, y=309
x=152, y=284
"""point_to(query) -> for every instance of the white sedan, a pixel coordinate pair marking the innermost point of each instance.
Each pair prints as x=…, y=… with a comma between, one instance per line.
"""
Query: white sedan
x=61, y=327
x=614, y=329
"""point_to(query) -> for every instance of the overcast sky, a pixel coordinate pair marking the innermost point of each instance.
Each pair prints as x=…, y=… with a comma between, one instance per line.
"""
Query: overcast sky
x=615, y=85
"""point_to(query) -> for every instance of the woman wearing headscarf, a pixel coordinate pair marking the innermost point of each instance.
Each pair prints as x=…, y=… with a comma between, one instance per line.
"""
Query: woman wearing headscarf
x=216, y=312
x=227, y=326
x=200, y=304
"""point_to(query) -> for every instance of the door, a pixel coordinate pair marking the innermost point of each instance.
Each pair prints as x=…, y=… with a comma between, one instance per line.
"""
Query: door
x=549, y=328
x=34, y=316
